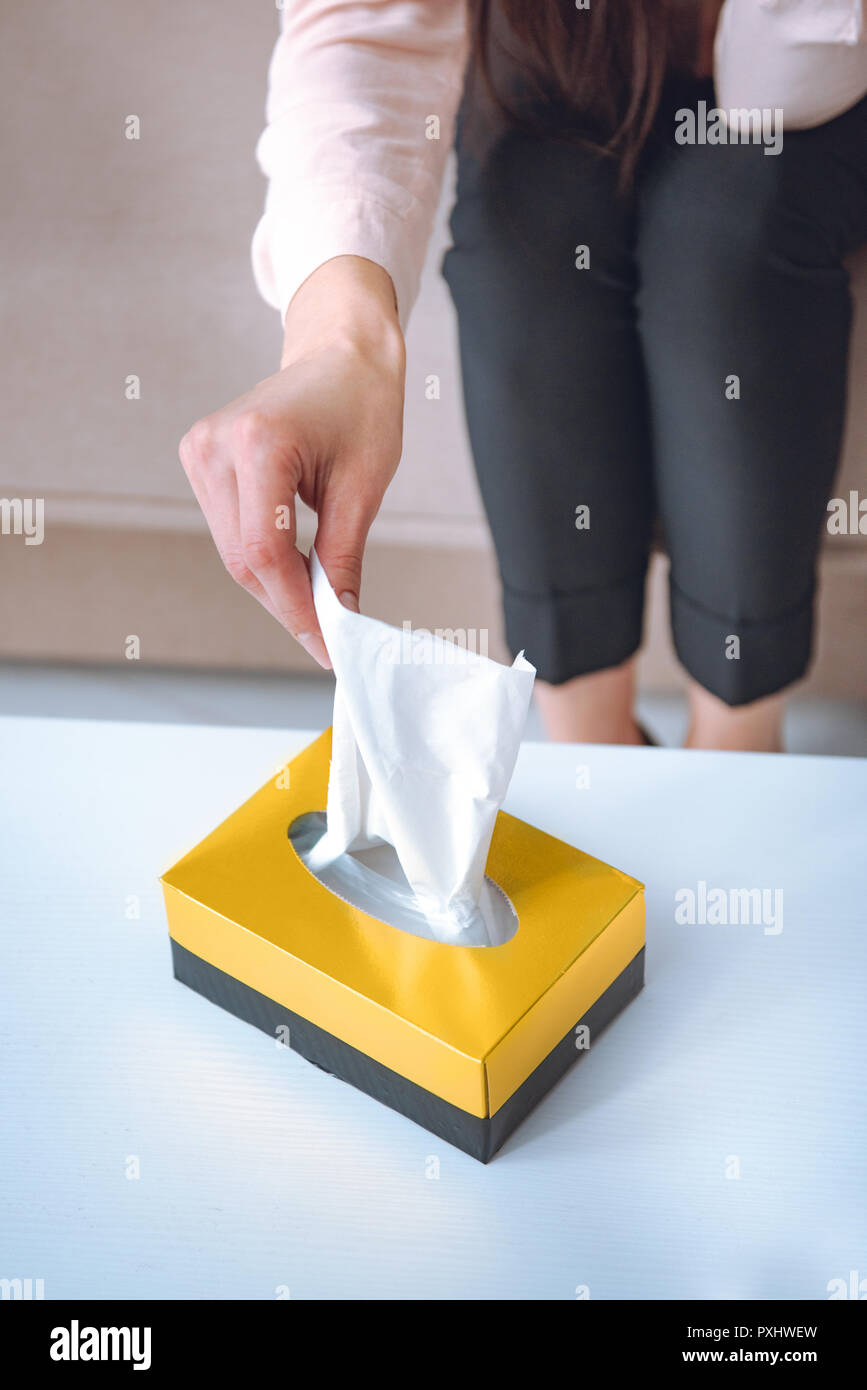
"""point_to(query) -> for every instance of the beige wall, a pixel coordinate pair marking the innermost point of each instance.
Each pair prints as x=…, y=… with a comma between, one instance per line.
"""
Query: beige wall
x=131, y=257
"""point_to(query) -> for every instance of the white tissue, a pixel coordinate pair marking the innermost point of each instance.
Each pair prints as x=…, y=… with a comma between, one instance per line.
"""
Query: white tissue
x=425, y=738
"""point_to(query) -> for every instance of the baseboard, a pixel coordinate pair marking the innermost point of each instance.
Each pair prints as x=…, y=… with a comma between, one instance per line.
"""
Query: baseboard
x=85, y=591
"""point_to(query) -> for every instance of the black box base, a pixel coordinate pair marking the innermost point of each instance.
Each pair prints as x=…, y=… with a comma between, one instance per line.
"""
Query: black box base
x=479, y=1137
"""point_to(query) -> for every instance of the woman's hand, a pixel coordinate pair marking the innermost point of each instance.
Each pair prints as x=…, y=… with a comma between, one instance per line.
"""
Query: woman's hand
x=327, y=427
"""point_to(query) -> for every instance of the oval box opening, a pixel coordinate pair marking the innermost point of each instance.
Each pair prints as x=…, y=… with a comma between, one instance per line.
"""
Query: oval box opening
x=373, y=881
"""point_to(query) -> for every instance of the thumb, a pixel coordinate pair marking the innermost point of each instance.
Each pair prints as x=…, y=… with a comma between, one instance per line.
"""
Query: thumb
x=340, y=540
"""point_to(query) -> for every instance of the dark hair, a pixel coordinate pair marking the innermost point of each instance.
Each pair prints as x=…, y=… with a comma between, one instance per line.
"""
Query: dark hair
x=603, y=66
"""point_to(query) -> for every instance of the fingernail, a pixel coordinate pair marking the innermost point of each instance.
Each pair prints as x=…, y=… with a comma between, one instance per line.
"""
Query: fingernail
x=315, y=647
x=348, y=599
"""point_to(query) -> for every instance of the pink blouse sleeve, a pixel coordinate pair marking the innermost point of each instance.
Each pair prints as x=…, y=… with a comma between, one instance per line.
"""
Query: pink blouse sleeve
x=360, y=114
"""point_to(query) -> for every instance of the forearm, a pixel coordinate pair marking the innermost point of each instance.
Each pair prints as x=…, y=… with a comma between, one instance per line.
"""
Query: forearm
x=361, y=107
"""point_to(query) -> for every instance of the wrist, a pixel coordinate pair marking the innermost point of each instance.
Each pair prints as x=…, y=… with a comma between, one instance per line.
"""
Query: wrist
x=349, y=303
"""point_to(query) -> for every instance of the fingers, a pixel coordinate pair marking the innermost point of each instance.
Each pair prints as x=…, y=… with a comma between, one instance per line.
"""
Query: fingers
x=266, y=498
x=344, y=521
x=244, y=478
x=216, y=492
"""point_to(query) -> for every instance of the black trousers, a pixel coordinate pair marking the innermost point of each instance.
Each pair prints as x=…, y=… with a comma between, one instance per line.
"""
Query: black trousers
x=694, y=374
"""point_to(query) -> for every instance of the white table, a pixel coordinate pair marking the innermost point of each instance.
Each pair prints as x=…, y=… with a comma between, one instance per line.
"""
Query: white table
x=258, y=1172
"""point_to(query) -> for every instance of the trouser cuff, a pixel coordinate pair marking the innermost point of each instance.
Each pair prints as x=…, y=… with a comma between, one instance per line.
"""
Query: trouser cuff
x=568, y=635
x=741, y=661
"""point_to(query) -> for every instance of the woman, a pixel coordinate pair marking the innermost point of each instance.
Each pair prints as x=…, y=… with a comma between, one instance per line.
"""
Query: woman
x=653, y=308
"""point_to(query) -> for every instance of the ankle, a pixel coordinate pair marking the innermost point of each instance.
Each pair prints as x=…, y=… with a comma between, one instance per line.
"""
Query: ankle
x=596, y=708
x=734, y=740
x=600, y=728
x=753, y=728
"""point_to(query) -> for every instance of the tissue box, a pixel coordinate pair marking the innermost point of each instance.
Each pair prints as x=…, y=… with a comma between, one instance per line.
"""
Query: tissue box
x=464, y=1040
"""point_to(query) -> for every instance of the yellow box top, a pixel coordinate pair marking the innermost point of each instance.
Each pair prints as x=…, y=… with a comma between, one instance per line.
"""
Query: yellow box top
x=468, y=997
